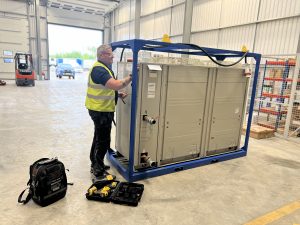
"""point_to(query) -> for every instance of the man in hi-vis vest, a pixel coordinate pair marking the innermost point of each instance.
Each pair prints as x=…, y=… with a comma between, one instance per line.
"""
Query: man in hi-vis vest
x=100, y=101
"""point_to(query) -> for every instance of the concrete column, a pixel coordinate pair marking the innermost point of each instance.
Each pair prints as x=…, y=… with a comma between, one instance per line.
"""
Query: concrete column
x=107, y=29
x=112, y=26
x=293, y=91
x=38, y=38
x=187, y=24
x=137, y=19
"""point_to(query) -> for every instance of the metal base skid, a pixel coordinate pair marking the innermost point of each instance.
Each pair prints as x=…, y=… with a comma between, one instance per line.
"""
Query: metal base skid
x=153, y=172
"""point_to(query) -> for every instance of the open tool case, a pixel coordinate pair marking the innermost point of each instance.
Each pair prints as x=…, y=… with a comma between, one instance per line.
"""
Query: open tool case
x=119, y=192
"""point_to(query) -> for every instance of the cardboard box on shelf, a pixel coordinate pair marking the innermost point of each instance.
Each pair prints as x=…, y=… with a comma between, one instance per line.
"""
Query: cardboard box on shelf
x=296, y=115
x=271, y=73
x=259, y=132
x=286, y=91
x=278, y=73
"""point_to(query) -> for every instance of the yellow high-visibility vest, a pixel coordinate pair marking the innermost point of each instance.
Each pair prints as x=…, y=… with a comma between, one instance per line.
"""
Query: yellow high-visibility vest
x=98, y=97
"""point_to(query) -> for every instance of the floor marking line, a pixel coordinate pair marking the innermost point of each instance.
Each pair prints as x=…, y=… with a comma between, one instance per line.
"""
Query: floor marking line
x=275, y=215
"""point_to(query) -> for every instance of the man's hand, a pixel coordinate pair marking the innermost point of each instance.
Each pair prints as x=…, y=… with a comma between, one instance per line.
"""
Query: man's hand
x=122, y=94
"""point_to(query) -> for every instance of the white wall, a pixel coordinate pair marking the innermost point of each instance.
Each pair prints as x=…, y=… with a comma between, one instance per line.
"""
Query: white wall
x=123, y=20
x=157, y=18
x=264, y=26
x=73, y=18
x=14, y=34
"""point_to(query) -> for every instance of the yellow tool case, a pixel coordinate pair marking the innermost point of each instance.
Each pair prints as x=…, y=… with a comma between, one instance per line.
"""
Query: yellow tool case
x=124, y=193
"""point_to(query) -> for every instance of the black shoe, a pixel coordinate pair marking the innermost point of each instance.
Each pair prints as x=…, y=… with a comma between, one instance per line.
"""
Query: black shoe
x=97, y=171
x=105, y=167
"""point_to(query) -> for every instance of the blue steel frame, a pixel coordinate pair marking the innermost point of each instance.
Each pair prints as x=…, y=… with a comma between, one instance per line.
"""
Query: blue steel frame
x=137, y=45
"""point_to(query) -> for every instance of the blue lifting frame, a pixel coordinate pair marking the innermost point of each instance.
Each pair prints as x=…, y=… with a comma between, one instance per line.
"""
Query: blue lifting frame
x=137, y=45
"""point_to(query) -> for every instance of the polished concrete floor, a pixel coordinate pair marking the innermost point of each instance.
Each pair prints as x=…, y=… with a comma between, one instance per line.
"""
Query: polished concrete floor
x=50, y=120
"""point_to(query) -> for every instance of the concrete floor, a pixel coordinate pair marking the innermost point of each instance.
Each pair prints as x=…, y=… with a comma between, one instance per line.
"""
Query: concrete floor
x=50, y=120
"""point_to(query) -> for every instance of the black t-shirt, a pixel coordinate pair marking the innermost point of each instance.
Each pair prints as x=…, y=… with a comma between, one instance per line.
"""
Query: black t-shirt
x=100, y=75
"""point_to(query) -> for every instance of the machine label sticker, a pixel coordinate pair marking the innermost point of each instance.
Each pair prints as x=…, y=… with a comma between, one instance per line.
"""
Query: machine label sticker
x=151, y=90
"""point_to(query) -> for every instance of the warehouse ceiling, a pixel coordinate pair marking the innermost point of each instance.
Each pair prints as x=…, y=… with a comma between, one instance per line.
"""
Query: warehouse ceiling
x=95, y=7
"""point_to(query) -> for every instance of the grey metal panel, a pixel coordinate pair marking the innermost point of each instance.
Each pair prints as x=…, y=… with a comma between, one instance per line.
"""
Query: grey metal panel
x=149, y=105
x=199, y=112
x=188, y=74
x=227, y=111
x=207, y=111
x=185, y=103
x=123, y=113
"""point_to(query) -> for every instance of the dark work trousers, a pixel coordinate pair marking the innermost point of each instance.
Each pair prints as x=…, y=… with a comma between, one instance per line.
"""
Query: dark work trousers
x=101, y=142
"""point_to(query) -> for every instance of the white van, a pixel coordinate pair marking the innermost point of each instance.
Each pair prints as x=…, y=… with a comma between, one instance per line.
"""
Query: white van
x=52, y=62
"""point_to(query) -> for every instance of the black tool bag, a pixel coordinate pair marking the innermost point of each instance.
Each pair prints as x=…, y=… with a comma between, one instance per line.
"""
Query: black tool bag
x=47, y=183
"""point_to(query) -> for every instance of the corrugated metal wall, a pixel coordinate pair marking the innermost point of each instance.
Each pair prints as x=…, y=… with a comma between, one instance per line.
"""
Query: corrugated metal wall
x=162, y=21
x=264, y=26
x=18, y=33
x=280, y=36
x=123, y=18
x=177, y=20
x=14, y=34
x=157, y=18
x=206, y=15
x=236, y=12
x=271, y=9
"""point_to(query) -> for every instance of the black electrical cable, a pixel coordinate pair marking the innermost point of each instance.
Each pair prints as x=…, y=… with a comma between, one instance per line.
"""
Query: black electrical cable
x=121, y=57
x=210, y=57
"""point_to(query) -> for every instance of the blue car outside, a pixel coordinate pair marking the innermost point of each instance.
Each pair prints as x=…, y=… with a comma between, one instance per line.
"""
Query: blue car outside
x=65, y=70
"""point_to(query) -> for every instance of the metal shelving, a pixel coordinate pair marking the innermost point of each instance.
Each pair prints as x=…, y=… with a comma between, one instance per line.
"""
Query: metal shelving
x=275, y=93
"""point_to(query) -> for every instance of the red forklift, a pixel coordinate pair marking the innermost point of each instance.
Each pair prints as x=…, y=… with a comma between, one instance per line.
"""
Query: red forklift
x=24, y=69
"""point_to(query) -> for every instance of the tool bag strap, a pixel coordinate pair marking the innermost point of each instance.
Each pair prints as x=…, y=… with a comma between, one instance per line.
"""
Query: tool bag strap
x=29, y=196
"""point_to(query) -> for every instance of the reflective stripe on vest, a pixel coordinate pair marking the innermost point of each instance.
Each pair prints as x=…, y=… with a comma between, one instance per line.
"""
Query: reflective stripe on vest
x=99, y=97
x=97, y=86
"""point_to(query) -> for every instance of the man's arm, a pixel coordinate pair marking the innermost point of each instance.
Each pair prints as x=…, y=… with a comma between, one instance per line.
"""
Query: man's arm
x=101, y=76
x=118, y=84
